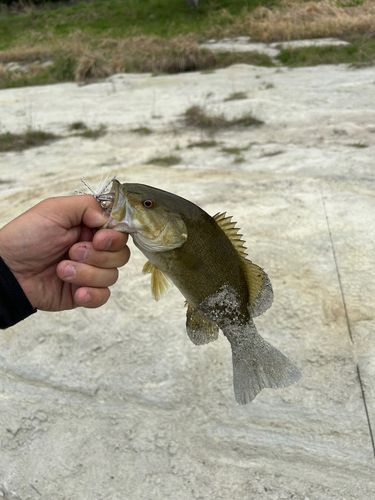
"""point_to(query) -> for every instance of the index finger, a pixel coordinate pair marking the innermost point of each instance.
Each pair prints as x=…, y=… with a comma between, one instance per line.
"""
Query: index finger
x=108, y=239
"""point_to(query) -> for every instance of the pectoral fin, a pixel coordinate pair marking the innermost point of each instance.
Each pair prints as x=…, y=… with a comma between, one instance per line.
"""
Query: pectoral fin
x=200, y=329
x=160, y=283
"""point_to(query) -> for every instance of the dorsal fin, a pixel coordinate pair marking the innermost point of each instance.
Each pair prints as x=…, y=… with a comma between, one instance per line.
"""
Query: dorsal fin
x=232, y=232
x=258, y=283
x=160, y=283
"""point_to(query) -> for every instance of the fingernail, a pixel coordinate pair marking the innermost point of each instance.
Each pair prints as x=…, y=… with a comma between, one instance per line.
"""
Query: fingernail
x=88, y=298
x=69, y=271
x=105, y=244
x=80, y=254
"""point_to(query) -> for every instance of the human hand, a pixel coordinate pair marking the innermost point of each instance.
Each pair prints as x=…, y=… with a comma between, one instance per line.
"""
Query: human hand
x=58, y=258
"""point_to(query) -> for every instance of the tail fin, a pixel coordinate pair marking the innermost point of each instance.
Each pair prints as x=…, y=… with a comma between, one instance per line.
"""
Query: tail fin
x=257, y=364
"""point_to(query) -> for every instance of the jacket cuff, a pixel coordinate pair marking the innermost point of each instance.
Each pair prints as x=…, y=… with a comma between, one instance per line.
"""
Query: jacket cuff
x=14, y=305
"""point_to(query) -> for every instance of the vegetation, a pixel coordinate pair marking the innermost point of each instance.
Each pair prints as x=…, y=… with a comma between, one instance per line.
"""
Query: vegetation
x=141, y=130
x=236, y=96
x=32, y=138
x=197, y=117
x=77, y=126
x=29, y=139
x=359, y=145
x=118, y=19
x=203, y=144
x=81, y=129
x=235, y=150
x=165, y=161
x=87, y=40
x=361, y=52
x=224, y=59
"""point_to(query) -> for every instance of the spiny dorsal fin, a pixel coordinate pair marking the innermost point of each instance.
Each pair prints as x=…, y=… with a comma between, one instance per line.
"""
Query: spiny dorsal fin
x=232, y=232
x=160, y=283
x=258, y=283
x=200, y=329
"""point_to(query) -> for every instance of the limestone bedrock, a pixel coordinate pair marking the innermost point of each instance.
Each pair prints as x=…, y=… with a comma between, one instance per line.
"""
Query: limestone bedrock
x=117, y=402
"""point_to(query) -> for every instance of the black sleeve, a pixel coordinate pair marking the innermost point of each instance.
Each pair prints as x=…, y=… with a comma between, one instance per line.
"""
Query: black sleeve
x=14, y=305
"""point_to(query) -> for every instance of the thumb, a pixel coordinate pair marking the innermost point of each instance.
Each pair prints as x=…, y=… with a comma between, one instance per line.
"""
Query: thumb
x=71, y=211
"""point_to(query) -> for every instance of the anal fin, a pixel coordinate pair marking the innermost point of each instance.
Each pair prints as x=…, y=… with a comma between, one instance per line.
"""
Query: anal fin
x=200, y=329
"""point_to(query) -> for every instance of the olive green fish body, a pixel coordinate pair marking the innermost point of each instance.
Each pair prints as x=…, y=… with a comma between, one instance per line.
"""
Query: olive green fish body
x=205, y=258
x=204, y=264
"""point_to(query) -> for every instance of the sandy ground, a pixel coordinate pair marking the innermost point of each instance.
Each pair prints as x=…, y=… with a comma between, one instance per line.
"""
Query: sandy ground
x=117, y=403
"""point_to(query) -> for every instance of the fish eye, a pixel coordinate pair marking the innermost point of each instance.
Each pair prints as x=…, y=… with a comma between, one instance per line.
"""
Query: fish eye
x=148, y=203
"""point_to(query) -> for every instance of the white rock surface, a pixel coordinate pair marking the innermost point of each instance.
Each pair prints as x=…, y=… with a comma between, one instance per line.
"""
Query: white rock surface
x=117, y=403
x=315, y=42
x=244, y=44
x=241, y=44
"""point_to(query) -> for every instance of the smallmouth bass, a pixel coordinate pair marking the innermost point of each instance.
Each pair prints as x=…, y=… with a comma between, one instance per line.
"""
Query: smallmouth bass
x=205, y=258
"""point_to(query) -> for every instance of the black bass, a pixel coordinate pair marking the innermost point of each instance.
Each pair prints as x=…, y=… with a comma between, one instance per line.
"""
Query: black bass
x=205, y=258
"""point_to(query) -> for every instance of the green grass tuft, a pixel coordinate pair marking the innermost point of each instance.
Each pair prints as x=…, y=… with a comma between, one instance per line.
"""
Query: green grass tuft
x=93, y=133
x=80, y=129
x=203, y=144
x=62, y=69
x=195, y=116
x=360, y=145
x=165, y=161
x=77, y=126
x=30, y=139
x=359, y=53
x=225, y=59
x=235, y=150
x=141, y=130
x=236, y=96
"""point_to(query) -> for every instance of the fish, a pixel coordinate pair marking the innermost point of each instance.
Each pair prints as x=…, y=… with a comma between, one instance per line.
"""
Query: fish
x=205, y=258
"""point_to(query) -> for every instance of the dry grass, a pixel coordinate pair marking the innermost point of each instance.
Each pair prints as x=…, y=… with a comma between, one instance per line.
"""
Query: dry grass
x=91, y=60
x=8, y=77
x=92, y=67
x=296, y=19
x=197, y=117
x=82, y=57
x=154, y=54
x=26, y=54
x=148, y=54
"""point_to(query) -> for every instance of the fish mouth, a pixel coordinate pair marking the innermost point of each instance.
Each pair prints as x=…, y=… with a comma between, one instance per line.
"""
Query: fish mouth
x=114, y=203
x=113, y=200
x=108, y=198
